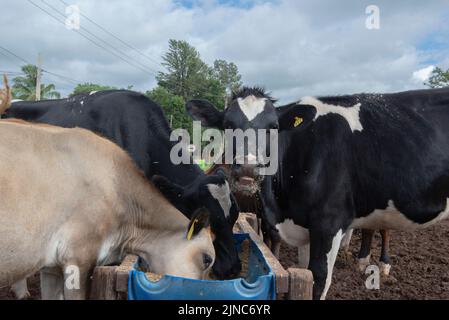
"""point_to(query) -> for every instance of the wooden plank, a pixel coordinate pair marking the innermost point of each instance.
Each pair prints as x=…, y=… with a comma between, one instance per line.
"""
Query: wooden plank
x=123, y=274
x=252, y=220
x=282, y=276
x=301, y=284
x=103, y=284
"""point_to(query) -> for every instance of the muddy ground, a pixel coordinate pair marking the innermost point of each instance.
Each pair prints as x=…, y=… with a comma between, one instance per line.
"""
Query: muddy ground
x=420, y=268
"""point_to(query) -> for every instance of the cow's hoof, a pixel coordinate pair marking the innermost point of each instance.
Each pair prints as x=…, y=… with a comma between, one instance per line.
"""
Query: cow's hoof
x=364, y=263
x=385, y=269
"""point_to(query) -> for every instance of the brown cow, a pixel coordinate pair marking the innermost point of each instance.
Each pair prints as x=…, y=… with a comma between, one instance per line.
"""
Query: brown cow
x=5, y=96
x=71, y=200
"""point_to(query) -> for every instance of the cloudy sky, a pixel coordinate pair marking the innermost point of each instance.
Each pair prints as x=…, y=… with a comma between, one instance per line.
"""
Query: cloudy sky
x=293, y=48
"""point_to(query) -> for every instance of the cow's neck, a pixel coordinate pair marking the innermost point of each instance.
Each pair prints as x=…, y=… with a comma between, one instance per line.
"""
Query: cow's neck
x=144, y=214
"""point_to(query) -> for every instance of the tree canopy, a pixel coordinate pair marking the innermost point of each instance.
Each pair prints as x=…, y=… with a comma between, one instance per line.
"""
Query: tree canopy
x=172, y=105
x=439, y=78
x=187, y=76
x=24, y=87
x=228, y=75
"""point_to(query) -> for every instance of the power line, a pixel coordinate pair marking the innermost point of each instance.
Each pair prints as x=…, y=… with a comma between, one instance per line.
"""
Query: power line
x=127, y=44
x=92, y=41
x=67, y=79
x=11, y=72
x=104, y=41
x=89, y=39
x=116, y=37
x=15, y=55
x=3, y=54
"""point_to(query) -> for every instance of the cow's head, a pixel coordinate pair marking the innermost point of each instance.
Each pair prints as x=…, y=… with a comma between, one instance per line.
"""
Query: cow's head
x=187, y=253
x=250, y=108
x=213, y=193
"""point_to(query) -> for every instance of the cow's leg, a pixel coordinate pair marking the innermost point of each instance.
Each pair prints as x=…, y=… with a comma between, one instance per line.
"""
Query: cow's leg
x=365, y=249
x=270, y=213
x=304, y=256
x=385, y=262
x=76, y=281
x=20, y=289
x=271, y=238
x=347, y=240
x=265, y=230
x=275, y=243
x=52, y=284
x=324, y=246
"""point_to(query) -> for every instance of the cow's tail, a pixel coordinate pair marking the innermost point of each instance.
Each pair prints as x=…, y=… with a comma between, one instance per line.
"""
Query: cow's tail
x=5, y=96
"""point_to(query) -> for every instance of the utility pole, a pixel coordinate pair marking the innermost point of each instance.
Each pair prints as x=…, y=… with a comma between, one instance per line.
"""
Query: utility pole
x=38, y=77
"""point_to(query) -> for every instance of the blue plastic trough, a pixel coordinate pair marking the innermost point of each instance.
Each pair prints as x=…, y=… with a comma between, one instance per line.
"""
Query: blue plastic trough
x=259, y=283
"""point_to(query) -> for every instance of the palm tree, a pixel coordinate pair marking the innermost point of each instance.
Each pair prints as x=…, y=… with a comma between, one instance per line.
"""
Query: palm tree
x=24, y=87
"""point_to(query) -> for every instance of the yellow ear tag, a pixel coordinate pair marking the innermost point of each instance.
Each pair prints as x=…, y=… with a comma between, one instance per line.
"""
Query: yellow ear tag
x=298, y=121
x=192, y=228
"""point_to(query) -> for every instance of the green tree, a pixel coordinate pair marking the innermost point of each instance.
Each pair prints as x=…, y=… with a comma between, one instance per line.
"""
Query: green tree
x=24, y=87
x=439, y=78
x=228, y=74
x=215, y=92
x=173, y=107
x=186, y=74
x=89, y=87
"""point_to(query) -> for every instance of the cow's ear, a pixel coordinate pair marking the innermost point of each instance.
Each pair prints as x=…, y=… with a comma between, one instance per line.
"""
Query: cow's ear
x=204, y=111
x=173, y=192
x=200, y=220
x=295, y=117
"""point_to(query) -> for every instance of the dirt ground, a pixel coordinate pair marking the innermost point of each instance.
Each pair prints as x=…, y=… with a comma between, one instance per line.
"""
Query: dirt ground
x=419, y=271
x=419, y=268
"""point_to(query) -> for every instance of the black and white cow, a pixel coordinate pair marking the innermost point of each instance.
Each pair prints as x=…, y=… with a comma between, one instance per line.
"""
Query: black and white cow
x=357, y=161
x=139, y=126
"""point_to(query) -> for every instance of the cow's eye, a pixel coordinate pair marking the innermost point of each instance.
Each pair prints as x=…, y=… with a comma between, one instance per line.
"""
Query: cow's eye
x=207, y=261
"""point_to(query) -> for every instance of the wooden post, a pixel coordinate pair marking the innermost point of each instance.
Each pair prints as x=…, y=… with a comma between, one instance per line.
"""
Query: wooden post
x=111, y=283
x=104, y=284
x=301, y=284
x=282, y=276
x=122, y=276
x=38, y=77
x=252, y=220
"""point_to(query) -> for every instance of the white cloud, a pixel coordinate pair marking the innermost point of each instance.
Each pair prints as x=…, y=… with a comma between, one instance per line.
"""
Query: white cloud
x=293, y=48
x=423, y=75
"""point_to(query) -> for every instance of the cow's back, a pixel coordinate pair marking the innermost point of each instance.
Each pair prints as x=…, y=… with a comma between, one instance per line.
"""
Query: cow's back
x=50, y=178
x=398, y=154
x=129, y=119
